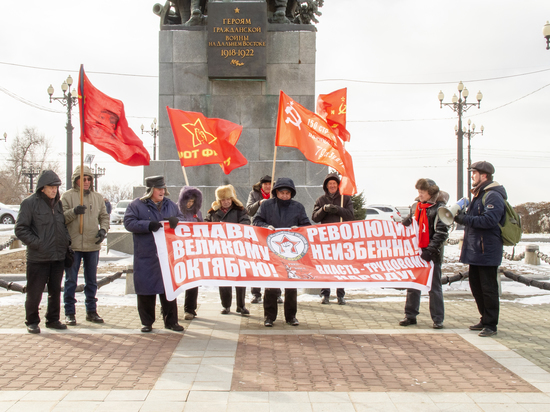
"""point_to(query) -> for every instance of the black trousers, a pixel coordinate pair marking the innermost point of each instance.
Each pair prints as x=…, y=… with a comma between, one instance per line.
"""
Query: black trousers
x=340, y=292
x=40, y=274
x=484, y=287
x=190, y=304
x=226, y=295
x=258, y=292
x=290, y=305
x=146, y=309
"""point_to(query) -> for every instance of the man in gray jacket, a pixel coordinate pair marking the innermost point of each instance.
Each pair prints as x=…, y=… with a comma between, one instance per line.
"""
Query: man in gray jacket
x=86, y=244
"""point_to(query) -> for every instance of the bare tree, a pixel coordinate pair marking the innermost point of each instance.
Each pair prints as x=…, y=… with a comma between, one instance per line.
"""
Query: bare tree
x=29, y=149
x=115, y=192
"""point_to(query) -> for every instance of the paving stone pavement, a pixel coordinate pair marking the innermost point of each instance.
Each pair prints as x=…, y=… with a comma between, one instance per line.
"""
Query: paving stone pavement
x=346, y=358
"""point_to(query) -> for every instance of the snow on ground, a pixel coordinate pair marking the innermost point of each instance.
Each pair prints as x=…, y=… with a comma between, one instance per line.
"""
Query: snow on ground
x=113, y=294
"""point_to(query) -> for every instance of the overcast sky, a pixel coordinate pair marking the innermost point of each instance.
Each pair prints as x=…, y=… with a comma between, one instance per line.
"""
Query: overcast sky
x=394, y=56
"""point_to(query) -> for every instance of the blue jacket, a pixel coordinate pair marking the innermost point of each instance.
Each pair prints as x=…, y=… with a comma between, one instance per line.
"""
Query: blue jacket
x=147, y=273
x=482, y=244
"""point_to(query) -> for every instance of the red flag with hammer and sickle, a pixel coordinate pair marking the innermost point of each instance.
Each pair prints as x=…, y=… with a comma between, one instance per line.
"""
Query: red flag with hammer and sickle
x=300, y=128
x=332, y=107
x=203, y=141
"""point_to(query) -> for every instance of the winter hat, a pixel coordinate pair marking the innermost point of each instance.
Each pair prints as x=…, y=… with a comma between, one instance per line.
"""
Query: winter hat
x=225, y=192
x=428, y=185
x=152, y=182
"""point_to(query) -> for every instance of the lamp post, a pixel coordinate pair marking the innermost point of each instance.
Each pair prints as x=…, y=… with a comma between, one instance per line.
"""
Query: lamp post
x=30, y=172
x=69, y=99
x=460, y=106
x=97, y=172
x=546, y=34
x=153, y=132
x=469, y=133
x=5, y=139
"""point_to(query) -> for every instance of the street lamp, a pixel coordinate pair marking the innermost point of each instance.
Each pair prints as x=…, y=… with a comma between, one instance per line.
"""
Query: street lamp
x=97, y=172
x=469, y=133
x=546, y=34
x=460, y=106
x=153, y=132
x=5, y=139
x=69, y=99
x=30, y=172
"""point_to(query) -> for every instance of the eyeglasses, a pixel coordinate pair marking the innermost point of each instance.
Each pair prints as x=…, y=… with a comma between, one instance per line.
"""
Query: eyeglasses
x=87, y=179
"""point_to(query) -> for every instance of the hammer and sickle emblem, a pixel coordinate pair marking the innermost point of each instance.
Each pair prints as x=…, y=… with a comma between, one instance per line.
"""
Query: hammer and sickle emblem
x=296, y=119
x=342, y=109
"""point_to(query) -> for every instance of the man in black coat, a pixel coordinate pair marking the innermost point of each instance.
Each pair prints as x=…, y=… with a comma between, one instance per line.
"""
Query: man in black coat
x=41, y=226
x=432, y=236
x=281, y=212
x=330, y=208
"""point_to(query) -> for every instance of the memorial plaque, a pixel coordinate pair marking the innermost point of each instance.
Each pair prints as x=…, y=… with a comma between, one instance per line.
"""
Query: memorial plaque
x=237, y=34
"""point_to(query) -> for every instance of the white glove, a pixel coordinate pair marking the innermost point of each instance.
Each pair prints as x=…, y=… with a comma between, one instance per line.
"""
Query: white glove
x=271, y=227
x=294, y=227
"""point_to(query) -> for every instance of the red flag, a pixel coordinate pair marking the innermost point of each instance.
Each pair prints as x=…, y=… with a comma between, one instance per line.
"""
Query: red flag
x=300, y=128
x=104, y=125
x=203, y=141
x=332, y=107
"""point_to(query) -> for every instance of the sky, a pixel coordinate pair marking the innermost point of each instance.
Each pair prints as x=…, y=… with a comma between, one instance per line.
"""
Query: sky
x=392, y=56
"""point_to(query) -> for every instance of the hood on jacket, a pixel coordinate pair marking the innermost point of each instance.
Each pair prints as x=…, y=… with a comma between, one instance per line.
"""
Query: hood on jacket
x=87, y=172
x=284, y=183
x=188, y=192
x=497, y=187
x=331, y=176
x=48, y=178
x=226, y=192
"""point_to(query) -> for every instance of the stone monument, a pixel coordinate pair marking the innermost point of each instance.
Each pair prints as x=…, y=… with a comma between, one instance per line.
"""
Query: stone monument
x=231, y=63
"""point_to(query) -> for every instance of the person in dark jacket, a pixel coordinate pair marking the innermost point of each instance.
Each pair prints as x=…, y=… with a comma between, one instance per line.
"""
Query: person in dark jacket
x=432, y=235
x=260, y=192
x=142, y=218
x=332, y=208
x=227, y=208
x=281, y=212
x=482, y=245
x=189, y=203
x=41, y=226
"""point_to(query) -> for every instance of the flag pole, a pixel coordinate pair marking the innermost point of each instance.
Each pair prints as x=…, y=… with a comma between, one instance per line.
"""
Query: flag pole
x=81, y=110
x=185, y=176
x=276, y=139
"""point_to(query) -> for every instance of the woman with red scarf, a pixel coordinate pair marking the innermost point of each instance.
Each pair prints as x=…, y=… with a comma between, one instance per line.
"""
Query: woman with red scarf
x=432, y=234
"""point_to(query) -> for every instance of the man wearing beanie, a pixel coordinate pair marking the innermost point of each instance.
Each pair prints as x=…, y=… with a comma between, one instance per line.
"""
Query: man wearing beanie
x=227, y=208
x=432, y=234
x=482, y=246
x=328, y=209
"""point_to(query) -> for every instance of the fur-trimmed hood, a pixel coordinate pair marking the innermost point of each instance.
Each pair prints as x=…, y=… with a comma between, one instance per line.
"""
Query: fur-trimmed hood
x=188, y=192
x=226, y=192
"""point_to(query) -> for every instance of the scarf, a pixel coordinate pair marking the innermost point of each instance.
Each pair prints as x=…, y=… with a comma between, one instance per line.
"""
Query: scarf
x=264, y=194
x=422, y=218
x=224, y=211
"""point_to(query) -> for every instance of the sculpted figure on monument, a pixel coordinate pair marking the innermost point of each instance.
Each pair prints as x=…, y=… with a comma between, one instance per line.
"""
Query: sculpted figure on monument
x=193, y=12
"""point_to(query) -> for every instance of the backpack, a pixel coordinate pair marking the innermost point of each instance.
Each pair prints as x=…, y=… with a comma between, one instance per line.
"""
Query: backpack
x=511, y=230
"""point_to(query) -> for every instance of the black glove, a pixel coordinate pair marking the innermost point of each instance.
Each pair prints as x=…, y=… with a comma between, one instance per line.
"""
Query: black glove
x=79, y=210
x=426, y=255
x=460, y=218
x=173, y=222
x=328, y=208
x=407, y=221
x=154, y=226
x=101, y=234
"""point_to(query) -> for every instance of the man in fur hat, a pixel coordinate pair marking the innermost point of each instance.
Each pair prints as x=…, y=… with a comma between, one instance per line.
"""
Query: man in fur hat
x=431, y=237
x=227, y=208
x=86, y=245
x=281, y=211
x=260, y=192
x=142, y=218
x=328, y=209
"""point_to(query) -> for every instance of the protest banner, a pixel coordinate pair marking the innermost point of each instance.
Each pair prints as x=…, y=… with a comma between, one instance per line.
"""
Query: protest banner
x=361, y=254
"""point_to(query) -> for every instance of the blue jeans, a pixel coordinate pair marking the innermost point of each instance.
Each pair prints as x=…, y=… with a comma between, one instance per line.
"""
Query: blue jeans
x=91, y=260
